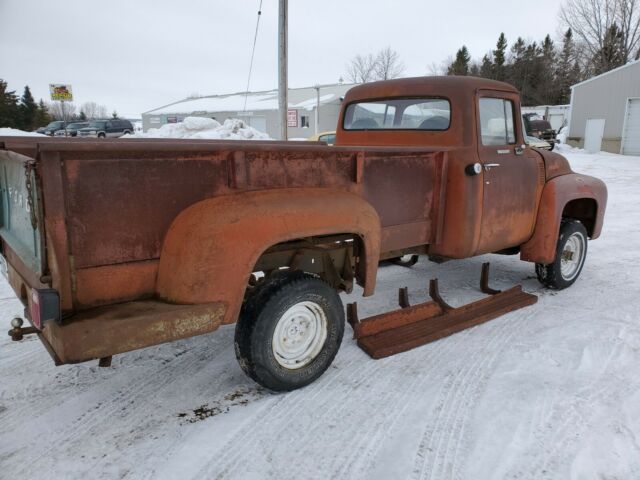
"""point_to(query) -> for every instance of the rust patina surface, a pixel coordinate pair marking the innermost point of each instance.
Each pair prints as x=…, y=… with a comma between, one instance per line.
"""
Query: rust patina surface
x=147, y=241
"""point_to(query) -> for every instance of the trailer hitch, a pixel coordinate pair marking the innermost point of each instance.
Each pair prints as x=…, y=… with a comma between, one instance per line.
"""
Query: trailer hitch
x=412, y=326
x=17, y=333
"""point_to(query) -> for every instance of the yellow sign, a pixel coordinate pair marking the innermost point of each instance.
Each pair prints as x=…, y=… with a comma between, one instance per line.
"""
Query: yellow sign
x=61, y=92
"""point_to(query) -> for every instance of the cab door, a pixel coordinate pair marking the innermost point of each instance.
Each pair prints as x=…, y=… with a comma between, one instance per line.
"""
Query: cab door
x=513, y=174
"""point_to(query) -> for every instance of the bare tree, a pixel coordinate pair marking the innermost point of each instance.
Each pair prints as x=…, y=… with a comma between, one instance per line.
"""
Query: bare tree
x=92, y=110
x=58, y=111
x=592, y=21
x=361, y=68
x=388, y=64
x=384, y=65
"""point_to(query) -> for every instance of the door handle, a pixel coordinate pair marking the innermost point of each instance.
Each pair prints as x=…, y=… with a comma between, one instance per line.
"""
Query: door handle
x=489, y=166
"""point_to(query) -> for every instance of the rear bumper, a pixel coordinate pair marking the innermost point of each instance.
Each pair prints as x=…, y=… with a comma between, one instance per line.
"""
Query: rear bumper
x=106, y=331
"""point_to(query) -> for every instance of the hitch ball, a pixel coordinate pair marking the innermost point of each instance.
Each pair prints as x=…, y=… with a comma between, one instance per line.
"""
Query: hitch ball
x=17, y=322
x=17, y=333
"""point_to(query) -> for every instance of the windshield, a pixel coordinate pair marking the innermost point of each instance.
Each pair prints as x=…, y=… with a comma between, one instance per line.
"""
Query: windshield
x=97, y=124
x=55, y=124
x=432, y=114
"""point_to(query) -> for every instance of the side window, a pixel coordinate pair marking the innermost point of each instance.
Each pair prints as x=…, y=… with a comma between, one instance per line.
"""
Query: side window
x=497, y=126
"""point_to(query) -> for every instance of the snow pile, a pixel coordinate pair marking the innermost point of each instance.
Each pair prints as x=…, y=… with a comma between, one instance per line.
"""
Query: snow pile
x=14, y=132
x=204, y=128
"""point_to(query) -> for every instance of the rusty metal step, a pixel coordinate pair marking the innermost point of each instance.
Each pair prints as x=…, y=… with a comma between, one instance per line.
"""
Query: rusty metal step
x=410, y=327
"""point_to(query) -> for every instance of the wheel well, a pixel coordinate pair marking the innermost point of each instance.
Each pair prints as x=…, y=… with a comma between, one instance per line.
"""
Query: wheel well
x=583, y=209
x=334, y=258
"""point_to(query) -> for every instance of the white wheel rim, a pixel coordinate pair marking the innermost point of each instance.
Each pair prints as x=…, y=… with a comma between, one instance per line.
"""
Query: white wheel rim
x=299, y=335
x=572, y=256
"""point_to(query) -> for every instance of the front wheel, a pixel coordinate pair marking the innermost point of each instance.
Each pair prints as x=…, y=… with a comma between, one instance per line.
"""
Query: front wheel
x=289, y=331
x=571, y=253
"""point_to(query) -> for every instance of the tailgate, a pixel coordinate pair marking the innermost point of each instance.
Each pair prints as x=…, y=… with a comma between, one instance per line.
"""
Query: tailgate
x=19, y=210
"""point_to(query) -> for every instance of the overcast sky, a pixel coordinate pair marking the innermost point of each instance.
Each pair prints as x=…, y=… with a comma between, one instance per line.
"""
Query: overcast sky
x=136, y=55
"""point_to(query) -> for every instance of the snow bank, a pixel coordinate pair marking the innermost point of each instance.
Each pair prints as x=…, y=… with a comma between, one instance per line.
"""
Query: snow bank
x=204, y=128
x=14, y=132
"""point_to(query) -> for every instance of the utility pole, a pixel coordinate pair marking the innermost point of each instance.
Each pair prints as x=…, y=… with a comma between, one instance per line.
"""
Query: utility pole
x=317, y=87
x=283, y=104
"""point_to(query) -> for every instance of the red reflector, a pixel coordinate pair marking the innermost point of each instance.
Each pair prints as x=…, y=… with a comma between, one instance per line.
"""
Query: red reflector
x=45, y=306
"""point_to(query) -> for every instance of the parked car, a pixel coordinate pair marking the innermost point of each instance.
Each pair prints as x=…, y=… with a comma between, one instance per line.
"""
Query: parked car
x=327, y=137
x=71, y=130
x=537, y=126
x=106, y=128
x=53, y=127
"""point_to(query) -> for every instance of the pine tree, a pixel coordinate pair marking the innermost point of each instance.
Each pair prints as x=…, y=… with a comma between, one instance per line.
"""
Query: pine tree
x=486, y=68
x=28, y=109
x=42, y=117
x=114, y=114
x=499, y=58
x=567, y=70
x=82, y=117
x=460, y=65
x=611, y=55
x=9, y=114
x=546, y=85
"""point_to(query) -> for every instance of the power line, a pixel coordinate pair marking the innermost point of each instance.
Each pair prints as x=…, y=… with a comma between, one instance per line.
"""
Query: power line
x=253, y=52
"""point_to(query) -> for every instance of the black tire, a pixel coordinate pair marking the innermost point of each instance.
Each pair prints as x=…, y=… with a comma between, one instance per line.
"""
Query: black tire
x=101, y=135
x=260, y=315
x=551, y=275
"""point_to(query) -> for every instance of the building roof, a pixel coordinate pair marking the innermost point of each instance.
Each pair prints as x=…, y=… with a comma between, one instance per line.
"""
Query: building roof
x=299, y=98
x=635, y=63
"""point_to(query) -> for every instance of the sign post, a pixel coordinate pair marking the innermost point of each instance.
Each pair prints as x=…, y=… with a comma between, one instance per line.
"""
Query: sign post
x=61, y=93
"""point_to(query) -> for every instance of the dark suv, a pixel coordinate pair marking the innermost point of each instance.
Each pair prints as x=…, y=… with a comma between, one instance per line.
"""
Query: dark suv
x=52, y=128
x=71, y=130
x=106, y=128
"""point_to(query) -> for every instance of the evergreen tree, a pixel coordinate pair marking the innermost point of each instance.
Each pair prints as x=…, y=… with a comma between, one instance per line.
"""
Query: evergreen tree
x=9, y=115
x=547, y=86
x=611, y=55
x=499, y=58
x=567, y=70
x=28, y=110
x=460, y=65
x=82, y=117
x=486, y=68
x=114, y=114
x=42, y=117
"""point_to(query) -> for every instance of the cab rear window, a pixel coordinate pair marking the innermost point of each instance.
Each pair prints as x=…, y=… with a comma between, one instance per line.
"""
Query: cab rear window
x=429, y=114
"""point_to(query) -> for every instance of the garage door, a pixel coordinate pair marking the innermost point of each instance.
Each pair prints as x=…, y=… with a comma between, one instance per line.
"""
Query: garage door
x=631, y=135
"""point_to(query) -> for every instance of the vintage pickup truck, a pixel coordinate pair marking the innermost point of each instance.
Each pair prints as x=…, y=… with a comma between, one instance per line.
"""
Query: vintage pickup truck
x=115, y=245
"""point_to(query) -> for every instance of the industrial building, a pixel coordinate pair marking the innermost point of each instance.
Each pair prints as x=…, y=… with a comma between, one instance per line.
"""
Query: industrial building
x=308, y=107
x=605, y=112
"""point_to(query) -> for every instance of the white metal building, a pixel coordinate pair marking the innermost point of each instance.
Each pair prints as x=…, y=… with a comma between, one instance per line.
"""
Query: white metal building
x=260, y=110
x=605, y=112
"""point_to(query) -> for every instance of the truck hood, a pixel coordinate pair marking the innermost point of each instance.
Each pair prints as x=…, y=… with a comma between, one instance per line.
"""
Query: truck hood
x=554, y=164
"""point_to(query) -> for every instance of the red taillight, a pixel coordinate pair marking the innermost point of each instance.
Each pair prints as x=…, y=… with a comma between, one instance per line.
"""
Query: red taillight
x=45, y=306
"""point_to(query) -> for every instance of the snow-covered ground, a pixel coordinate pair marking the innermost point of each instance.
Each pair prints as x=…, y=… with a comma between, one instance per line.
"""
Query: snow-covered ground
x=204, y=128
x=548, y=392
x=14, y=132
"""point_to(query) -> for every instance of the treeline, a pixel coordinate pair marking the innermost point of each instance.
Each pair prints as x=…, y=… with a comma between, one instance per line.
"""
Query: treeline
x=542, y=72
x=22, y=113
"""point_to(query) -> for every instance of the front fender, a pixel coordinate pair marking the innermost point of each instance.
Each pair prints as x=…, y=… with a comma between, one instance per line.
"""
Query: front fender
x=211, y=248
x=557, y=193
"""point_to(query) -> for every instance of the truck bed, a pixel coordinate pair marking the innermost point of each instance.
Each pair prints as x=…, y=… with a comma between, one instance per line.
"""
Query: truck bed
x=107, y=205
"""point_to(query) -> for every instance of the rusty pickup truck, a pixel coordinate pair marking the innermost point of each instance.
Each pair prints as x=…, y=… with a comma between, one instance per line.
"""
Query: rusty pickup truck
x=116, y=245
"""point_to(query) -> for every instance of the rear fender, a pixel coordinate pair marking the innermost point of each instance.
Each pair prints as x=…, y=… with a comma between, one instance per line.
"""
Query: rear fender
x=211, y=248
x=557, y=194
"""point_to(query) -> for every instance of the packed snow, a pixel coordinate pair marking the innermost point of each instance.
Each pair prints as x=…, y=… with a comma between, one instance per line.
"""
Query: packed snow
x=204, y=128
x=548, y=392
x=14, y=132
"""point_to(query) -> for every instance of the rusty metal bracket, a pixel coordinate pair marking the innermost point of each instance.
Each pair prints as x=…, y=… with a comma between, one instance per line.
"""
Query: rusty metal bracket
x=403, y=297
x=484, y=281
x=434, y=293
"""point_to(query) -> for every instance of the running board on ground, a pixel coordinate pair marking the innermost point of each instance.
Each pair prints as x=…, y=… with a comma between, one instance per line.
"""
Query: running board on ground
x=412, y=326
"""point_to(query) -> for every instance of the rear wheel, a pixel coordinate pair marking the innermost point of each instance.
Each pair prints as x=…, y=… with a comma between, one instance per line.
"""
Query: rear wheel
x=289, y=331
x=101, y=135
x=571, y=252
